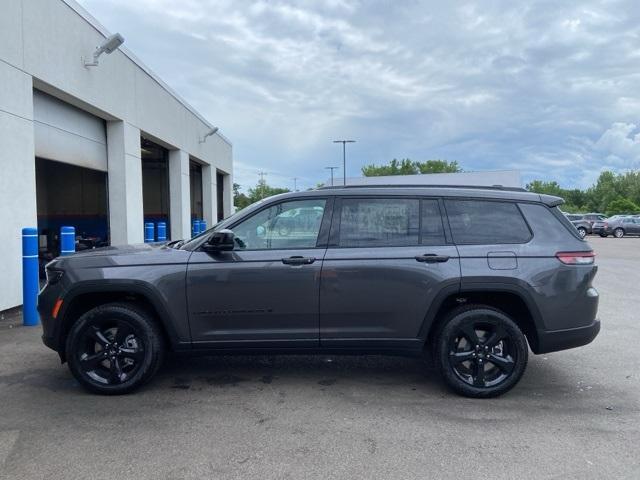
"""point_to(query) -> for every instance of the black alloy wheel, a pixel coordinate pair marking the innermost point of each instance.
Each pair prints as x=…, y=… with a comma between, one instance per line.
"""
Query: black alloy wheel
x=114, y=348
x=481, y=352
x=110, y=352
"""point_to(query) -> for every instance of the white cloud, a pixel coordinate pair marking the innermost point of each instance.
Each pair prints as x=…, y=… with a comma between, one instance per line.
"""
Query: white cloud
x=511, y=84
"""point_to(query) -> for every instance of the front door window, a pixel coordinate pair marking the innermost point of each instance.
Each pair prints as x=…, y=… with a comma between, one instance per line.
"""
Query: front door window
x=287, y=225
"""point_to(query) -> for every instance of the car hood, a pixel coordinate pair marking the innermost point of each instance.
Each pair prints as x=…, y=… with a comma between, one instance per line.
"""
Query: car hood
x=124, y=255
x=115, y=250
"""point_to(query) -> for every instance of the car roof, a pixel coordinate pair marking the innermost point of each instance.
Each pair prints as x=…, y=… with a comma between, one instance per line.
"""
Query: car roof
x=495, y=193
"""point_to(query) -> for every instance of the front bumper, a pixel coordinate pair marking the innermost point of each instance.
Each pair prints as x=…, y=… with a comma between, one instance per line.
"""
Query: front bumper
x=555, y=340
x=50, y=326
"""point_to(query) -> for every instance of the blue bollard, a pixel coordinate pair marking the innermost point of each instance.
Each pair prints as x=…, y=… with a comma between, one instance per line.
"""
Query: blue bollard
x=67, y=241
x=30, y=281
x=162, y=231
x=195, y=228
x=203, y=225
x=149, y=232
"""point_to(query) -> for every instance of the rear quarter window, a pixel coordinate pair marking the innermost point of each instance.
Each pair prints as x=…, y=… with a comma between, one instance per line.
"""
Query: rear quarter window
x=479, y=222
x=549, y=223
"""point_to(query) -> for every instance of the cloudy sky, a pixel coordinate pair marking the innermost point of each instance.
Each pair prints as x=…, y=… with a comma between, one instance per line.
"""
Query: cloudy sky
x=551, y=88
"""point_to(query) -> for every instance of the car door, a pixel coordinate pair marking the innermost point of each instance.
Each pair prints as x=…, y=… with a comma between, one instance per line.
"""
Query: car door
x=631, y=226
x=265, y=291
x=387, y=260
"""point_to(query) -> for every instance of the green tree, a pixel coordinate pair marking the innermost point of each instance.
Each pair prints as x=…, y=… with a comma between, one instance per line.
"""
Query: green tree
x=240, y=200
x=622, y=205
x=262, y=190
x=408, y=167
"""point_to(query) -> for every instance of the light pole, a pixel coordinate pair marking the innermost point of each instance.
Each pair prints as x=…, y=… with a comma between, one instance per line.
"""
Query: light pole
x=332, y=169
x=295, y=184
x=344, y=158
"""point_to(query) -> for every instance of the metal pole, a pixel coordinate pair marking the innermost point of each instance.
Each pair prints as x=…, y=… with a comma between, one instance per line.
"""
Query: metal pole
x=344, y=158
x=295, y=184
x=344, y=164
x=331, y=169
x=30, y=281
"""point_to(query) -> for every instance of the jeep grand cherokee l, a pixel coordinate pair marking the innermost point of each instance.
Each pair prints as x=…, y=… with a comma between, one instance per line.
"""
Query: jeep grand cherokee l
x=470, y=276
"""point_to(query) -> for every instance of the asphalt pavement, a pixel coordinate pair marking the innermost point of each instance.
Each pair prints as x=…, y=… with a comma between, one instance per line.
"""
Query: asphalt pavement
x=574, y=415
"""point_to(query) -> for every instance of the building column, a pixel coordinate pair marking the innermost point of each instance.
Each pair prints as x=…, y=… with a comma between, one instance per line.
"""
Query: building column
x=179, y=195
x=228, y=195
x=17, y=177
x=209, y=195
x=124, y=163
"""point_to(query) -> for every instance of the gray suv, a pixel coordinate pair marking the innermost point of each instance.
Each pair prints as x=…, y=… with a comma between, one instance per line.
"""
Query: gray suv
x=470, y=277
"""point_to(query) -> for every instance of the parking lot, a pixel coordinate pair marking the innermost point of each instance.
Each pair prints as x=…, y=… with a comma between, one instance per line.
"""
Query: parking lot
x=575, y=414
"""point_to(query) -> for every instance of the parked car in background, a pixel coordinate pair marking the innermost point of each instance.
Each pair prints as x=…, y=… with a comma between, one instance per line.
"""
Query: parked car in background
x=593, y=217
x=583, y=226
x=618, y=226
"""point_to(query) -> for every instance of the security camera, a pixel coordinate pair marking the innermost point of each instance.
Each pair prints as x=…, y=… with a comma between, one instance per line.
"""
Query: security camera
x=109, y=45
x=208, y=134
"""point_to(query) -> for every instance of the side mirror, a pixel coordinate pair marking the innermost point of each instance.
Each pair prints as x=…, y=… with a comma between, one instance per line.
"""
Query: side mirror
x=221, y=241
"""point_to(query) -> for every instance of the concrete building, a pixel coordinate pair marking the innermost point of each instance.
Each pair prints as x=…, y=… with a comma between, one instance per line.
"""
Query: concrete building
x=102, y=148
x=505, y=178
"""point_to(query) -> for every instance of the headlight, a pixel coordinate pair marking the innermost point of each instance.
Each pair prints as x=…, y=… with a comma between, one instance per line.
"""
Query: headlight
x=54, y=276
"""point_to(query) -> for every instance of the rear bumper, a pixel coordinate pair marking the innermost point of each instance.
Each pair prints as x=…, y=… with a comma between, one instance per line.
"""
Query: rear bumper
x=552, y=341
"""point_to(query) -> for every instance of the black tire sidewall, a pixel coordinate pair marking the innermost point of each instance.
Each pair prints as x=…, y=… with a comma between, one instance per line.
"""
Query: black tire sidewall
x=145, y=331
x=582, y=232
x=618, y=230
x=451, y=326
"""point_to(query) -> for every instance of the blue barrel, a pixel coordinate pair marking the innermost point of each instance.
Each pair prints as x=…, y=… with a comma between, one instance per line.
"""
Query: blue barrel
x=203, y=225
x=67, y=241
x=195, y=228
x=149, y=232
x=30, y=281
x=162, y=231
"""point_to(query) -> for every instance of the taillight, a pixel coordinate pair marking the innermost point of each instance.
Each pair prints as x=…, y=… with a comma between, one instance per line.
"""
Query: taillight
x=605, y=224
x=576, y=258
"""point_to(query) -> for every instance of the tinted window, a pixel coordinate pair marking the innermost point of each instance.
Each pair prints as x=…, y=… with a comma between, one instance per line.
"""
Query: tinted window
x=285, y=225
x=486, y=222
x=432, y=229
x=368, y=222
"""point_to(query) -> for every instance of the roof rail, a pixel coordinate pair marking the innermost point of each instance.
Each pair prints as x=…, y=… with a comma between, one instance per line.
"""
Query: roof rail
x=475, y=187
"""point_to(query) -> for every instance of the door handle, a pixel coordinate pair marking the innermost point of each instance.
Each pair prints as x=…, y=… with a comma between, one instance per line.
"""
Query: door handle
x=298, y=260
x=432, y=258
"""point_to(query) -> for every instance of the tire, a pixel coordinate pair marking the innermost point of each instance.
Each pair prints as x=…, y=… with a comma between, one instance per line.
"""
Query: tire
x=618, y=232
x=114, y=348
x=503, y=358
x=604, y=235
x=582, y=231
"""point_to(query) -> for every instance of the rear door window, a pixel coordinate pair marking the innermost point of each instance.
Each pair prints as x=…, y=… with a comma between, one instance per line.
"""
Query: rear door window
x=379, y=222
x=479, y=222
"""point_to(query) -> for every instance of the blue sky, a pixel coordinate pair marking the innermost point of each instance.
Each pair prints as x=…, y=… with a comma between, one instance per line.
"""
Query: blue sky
x=551, y=88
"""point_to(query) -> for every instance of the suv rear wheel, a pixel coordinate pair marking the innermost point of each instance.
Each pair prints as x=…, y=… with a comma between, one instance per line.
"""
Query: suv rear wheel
x=582, y=231
x=114, y=348
x=480, y=351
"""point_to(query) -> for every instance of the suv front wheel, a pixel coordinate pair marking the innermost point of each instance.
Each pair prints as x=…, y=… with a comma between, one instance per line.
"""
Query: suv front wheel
x=480, y=351
x=114, y=348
